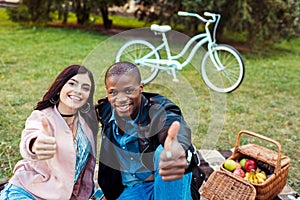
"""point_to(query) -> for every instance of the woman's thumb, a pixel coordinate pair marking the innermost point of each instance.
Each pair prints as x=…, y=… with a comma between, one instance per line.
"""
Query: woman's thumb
x=45, y=126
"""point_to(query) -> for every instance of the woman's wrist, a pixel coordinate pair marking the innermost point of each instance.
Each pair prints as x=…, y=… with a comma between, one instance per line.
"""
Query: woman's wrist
x=31, y=143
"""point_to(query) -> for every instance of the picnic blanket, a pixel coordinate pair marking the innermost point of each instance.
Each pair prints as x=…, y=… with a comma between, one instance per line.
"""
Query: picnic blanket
x=211, y=160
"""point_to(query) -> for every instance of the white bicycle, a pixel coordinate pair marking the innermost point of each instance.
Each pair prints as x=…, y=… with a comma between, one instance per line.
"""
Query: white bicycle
x=222, y=67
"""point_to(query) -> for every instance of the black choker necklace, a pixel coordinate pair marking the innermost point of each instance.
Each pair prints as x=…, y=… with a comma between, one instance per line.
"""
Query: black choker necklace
x=67, y=115
x=63, y=115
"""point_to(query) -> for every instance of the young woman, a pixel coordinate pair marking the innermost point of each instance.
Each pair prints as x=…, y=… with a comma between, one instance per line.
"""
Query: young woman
x=58, y=144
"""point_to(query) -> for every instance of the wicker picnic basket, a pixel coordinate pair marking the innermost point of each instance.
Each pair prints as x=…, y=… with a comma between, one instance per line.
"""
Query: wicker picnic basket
x=225, y=186
x=277, y=163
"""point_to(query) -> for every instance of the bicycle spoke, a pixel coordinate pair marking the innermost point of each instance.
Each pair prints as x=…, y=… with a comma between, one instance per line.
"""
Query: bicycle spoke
x=136, y=51
x=230, y=77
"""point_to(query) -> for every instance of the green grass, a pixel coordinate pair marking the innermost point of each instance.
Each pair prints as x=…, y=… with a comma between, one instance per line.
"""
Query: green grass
x=267, y=102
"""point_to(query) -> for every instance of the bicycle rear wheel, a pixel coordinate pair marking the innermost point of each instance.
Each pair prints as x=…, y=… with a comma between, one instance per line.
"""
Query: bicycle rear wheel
x=229, y=75
x=133, y=51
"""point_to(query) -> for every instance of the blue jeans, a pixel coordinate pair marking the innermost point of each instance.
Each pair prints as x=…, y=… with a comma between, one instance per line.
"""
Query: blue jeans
x=159, y=189
x=11, y=192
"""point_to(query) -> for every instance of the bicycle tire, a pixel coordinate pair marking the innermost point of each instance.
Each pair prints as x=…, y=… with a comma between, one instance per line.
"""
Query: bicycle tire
x=136, y=49
x=230, y=77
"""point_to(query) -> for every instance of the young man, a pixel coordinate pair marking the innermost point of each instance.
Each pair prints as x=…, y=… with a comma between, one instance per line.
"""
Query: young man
x=146, y=150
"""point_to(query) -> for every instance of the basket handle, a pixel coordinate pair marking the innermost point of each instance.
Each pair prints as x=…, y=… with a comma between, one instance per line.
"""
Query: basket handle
x=277, y=167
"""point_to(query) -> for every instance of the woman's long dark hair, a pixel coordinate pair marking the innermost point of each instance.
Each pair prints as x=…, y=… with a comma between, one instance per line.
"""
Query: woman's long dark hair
x=57, y=85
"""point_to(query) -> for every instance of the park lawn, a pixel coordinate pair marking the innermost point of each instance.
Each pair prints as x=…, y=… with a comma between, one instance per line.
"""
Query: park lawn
x=267, y=102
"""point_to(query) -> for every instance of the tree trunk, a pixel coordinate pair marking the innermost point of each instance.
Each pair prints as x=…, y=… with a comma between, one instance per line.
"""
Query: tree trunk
x=106, y=21
x=82, y=12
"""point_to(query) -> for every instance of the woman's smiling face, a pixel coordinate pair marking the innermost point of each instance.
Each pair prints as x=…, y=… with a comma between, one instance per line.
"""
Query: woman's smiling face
x=124, y=94
x=74, y=94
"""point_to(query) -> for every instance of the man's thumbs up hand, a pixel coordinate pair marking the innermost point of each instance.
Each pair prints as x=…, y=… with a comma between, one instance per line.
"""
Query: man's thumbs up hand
x=172, y=135
x=45, y=145
x=172, y=160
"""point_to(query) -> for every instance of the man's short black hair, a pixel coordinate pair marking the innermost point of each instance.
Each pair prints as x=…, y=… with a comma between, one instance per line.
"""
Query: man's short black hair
x=120, y=68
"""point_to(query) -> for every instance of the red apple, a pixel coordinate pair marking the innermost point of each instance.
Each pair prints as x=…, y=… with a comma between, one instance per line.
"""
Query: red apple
x=250, y=165
x=239, y=172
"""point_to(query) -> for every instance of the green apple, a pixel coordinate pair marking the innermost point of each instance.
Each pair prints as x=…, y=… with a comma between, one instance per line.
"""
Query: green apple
x=242, y=162
x=230, y=165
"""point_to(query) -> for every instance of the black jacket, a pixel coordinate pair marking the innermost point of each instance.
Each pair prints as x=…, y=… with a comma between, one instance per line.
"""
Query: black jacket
x=157, y=113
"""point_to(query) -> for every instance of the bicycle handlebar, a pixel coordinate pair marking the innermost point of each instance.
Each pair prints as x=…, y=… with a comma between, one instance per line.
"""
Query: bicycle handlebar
x=215, y=18
x=208, y=14
x=182, y=13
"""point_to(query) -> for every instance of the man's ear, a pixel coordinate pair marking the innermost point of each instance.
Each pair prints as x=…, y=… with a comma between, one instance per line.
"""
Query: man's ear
x=141, y=87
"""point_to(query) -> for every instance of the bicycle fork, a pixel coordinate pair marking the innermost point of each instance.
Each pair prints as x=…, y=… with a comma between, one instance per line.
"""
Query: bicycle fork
x=213, y=54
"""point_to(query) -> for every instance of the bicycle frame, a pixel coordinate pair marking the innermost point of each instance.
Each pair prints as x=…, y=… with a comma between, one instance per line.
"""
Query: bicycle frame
x=222, y=67
x=171, y=61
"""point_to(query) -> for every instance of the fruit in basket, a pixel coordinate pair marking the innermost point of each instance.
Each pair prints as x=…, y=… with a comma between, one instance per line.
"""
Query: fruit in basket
x=242, y=162
x=261, y=176
x=250, y=165
x=256, y=176
x=247, y=176
x=239, y=172
x=238, y=165
x=259, y=179
x=251, y=177
x=230, y=165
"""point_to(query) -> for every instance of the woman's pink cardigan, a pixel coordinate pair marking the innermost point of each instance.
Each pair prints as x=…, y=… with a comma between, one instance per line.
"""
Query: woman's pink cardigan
x=53, y=178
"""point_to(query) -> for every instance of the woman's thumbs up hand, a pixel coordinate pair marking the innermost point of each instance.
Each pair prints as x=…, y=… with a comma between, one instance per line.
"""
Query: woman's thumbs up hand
x=45, y=145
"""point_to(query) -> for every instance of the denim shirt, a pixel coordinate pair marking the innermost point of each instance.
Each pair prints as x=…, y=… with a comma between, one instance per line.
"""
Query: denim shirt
x=133, y=171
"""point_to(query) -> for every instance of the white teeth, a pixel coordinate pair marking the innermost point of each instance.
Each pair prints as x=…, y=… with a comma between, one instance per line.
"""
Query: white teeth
x=75, y=98
x=123, y=107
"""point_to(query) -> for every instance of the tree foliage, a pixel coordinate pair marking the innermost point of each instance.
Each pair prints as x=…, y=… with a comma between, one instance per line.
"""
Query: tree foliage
x=40, y=10
x=262, y=20
x=259, y=20
x=31, y=11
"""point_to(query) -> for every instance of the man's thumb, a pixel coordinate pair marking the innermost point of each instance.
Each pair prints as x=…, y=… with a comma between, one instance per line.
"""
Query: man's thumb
x=172, y=133
x=45, y=126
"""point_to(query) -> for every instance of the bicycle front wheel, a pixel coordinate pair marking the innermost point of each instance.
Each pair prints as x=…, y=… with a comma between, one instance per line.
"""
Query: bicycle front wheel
x=229, y=72
x=135, y=51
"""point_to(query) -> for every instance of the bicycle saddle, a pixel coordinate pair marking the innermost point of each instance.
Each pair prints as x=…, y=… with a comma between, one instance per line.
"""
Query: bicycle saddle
x=161, y=29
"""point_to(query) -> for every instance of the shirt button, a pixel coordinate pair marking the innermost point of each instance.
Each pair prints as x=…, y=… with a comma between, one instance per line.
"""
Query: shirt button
x=131, y=158
x=133, y=175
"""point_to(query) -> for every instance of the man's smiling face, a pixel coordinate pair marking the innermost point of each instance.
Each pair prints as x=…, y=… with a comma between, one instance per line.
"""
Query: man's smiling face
x=124, y=94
